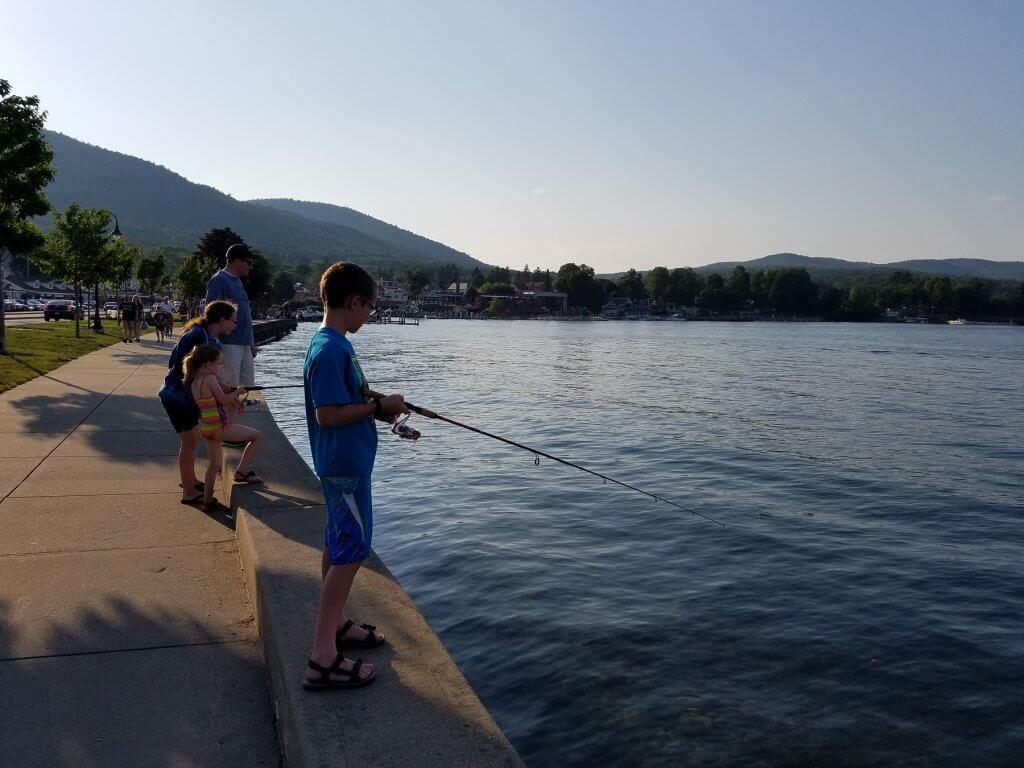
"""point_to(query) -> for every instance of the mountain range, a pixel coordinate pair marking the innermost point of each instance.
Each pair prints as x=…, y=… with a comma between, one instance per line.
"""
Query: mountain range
x=157, y=207
x=992, y=270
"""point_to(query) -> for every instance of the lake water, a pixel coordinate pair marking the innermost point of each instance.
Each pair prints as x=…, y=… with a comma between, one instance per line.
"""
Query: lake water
x=864, y=604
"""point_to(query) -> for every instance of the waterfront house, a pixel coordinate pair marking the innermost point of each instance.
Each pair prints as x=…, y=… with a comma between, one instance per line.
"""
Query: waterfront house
x=555, y=301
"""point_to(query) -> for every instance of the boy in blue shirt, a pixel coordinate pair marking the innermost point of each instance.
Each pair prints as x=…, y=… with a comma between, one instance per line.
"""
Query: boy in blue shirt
x=340, y=413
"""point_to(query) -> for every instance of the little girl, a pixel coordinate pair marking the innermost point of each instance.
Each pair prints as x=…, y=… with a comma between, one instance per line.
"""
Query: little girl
x=201, y=368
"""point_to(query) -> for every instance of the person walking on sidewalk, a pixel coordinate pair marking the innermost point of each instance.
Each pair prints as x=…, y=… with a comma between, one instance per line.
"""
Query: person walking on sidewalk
x=126, y=319
x=238, y=346
x=139, y=314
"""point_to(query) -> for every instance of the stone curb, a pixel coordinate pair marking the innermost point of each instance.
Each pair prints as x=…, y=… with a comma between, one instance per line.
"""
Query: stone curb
x=419, y=712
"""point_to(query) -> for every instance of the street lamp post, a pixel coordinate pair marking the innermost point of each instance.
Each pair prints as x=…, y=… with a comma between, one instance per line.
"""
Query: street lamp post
x=97, y=326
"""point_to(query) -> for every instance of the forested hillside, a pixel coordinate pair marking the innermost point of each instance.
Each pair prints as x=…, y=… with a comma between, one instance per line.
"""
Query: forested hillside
x=381, y=230
x=157, y=207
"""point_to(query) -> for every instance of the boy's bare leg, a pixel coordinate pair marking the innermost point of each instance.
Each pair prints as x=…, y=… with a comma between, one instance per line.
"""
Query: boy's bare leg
x=354, y=633
x=334, y=594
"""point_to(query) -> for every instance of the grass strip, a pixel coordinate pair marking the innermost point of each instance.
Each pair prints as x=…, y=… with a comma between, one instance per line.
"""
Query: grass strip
x=37, y=348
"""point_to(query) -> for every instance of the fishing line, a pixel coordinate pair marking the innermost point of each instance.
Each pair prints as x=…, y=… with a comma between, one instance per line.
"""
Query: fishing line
x=537, y=454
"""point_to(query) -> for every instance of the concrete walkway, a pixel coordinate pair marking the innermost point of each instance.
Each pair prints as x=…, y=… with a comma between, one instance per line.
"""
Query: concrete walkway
x=126, y=636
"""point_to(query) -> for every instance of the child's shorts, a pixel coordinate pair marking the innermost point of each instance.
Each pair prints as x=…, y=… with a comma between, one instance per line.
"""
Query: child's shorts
x=349, y=518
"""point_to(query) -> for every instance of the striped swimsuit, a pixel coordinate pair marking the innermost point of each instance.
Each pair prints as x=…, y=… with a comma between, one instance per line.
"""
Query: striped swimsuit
x=212, y=418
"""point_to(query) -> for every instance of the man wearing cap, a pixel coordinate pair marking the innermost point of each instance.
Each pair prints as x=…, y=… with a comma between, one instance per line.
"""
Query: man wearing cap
x=237, y=348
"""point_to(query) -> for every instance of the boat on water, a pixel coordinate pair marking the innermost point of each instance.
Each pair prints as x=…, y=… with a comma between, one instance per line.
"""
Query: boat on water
x=959, y=321
x=309, y=316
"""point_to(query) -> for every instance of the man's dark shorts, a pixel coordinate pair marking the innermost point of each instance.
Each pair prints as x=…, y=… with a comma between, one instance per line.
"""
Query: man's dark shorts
x=183, y=416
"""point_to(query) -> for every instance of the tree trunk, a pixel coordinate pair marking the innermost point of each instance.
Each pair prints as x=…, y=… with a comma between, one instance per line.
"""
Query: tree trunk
x=78, y=309
x=3, y=324
x=97, y=325
x=3, y=305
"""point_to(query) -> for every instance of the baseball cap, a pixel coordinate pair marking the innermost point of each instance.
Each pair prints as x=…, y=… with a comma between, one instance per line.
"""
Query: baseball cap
x=239, y=251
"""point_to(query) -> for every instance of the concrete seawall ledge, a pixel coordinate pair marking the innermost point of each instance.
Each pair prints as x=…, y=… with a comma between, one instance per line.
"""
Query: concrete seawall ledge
x=420, y=711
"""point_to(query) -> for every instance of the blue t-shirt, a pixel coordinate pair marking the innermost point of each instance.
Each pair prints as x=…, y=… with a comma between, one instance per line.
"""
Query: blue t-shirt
x=332, y=376
x=224, y=285
x=174, y=382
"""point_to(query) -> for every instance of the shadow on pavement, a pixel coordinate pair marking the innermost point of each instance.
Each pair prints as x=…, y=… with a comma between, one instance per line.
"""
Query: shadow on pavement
x=180, y=704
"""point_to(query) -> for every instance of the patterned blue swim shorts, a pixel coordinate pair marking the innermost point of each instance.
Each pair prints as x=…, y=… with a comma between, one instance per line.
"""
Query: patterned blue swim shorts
x=349, y=518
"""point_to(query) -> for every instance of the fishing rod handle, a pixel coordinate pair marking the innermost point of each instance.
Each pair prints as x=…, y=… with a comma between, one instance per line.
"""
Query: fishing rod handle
x=421, y=411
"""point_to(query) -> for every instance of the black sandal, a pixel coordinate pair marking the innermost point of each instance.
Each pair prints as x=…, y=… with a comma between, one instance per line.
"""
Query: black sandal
x=370, y=641
x=196, y=502
x=199, y=485
x=327, y=683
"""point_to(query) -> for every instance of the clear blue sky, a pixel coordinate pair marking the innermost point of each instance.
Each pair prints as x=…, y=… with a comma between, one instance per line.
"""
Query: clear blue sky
x=615, y=134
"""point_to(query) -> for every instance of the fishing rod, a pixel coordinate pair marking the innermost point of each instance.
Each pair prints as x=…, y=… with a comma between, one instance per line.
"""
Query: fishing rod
x=537, y=454
x=261, y=387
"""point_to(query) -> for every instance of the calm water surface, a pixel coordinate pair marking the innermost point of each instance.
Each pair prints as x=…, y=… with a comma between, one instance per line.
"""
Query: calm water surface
x=862, y=607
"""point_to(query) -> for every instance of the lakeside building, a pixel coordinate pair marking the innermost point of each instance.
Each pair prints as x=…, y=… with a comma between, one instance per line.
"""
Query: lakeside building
x=391, y=294
x=452, y=296
x=621, y=306
x=17, y=289
x=552, y=300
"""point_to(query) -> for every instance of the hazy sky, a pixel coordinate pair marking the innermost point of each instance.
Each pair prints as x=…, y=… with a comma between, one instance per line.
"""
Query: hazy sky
x=615, y=134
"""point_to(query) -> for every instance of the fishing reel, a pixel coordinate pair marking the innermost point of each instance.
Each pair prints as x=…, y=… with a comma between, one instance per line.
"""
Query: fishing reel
x=403, y=430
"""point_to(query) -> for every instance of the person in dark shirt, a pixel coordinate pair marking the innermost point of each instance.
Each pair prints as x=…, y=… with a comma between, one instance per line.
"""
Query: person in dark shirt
x=126, y=319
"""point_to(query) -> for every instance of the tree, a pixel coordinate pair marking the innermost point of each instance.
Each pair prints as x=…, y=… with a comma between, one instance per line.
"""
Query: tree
x=657, y=284
x=684, y=285
x=191, y=278
x=152, y=274
x=739, y=282
x=25, y=170
x=122, y=256
x=77, y=250
x=496, y=307
x=631, y=285
x=761, y=287
x=578, y=281
x=523, y=277
x=939, y=292
x=498, y=289
x=476, y=278
x=284, y=286
x=416, y=281
x=447, y=274
x=303, y=272
x=793, y=292
x=214, y=244
x=862, y=303
x=259, y=286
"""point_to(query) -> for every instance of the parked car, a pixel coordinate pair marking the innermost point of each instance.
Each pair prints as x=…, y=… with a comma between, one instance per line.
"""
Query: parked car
x=110, y=309
x=62, y=309
x=35, y=305
x=11, y=305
